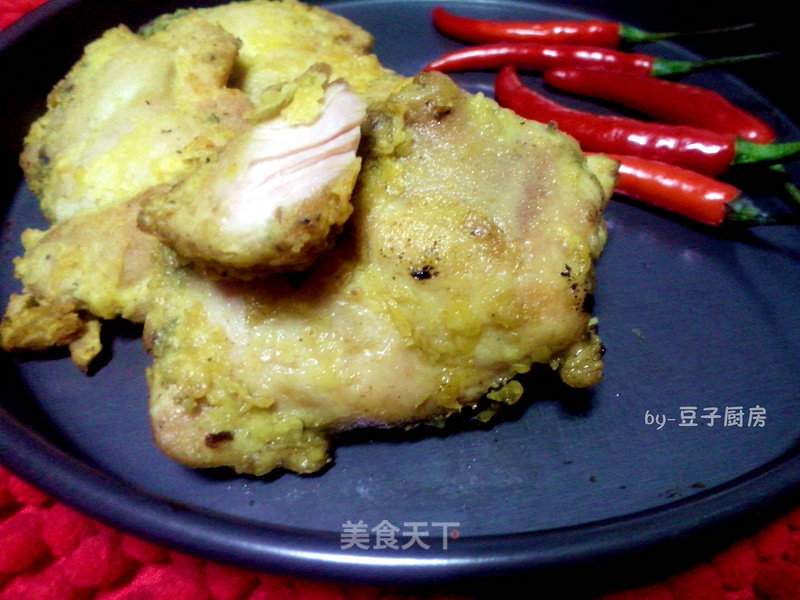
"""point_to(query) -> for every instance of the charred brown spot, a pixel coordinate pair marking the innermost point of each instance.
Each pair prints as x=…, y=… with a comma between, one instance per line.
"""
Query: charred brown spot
x=215, y=439
x=426, y=272
x=588, y=303
x=440, y=112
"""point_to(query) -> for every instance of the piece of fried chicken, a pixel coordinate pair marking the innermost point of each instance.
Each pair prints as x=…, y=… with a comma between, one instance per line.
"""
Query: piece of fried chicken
x=131, y=117
x=275, y=196
x=468, y=259
x=94, y=266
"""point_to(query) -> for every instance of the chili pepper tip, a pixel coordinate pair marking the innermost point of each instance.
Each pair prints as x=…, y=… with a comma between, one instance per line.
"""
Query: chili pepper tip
x=794, y=193
x=788, y=186
x=634, y=35
x=742, y=212
x=663, y=67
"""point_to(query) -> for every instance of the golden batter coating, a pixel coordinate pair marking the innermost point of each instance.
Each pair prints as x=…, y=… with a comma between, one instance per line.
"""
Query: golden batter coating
x=131, y=114
x=467, y=260
x=94, y=265
x=281, y=39
x=274, y=197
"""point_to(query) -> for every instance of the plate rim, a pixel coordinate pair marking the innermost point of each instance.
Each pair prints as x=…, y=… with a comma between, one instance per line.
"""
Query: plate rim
x=639, y=536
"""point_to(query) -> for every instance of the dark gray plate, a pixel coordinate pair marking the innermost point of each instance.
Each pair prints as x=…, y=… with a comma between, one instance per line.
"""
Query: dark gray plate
x=690, y=318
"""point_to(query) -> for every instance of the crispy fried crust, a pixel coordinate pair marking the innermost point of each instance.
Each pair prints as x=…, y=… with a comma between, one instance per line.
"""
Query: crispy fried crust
x=439, y=290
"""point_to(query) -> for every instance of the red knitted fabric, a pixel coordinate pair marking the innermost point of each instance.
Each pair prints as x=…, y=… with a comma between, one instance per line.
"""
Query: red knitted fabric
x=50, y=552
x=11, y=10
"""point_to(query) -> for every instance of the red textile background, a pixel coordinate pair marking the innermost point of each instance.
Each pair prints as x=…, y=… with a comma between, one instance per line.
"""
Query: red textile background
x=50, y=552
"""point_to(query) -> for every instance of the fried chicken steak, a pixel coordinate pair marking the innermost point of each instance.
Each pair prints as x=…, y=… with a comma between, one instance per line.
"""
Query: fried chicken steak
x=340, y=247
x=274, y=197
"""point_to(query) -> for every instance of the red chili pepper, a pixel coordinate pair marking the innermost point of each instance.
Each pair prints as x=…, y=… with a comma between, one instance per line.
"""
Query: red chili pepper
x=664, y=100
x=597, y=33
x=687, y=193
x=690, y=147
x=609, y=34
x=540, y=57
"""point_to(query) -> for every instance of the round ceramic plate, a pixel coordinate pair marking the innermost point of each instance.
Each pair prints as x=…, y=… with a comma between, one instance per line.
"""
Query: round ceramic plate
x=694, y=428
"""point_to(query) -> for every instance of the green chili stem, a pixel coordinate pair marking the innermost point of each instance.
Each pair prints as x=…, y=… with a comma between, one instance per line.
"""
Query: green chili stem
x=753, y=152
x=743, y=212
x=663, y=67
x=634, y=35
